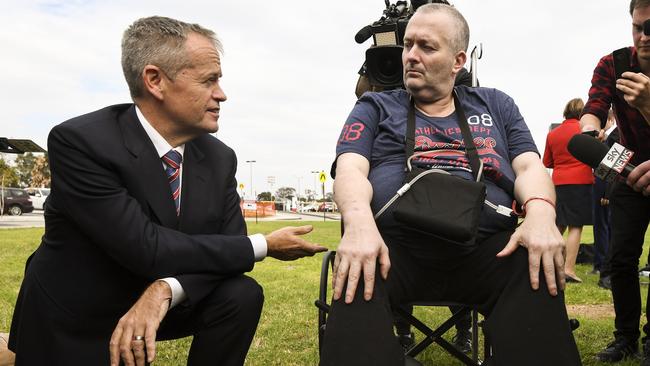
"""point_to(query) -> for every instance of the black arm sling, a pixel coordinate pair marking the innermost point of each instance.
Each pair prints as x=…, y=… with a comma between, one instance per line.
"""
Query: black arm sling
x=434, y=203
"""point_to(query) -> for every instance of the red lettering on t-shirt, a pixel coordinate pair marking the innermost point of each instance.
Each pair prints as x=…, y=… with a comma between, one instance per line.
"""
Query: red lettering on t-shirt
x=352, y=131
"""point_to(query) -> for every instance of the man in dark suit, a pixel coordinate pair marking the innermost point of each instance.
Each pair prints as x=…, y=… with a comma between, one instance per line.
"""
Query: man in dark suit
x=144, y=236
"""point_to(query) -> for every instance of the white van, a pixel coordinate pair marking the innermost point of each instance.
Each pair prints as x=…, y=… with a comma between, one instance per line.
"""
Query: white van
x=38, y=196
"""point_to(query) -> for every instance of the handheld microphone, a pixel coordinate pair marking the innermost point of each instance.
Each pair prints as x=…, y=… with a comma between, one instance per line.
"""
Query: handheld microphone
x=608, y=163
x=363, y=34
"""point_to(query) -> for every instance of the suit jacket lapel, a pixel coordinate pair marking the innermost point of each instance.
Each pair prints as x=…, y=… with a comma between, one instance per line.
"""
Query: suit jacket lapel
x=148, y=170
x=194, y=190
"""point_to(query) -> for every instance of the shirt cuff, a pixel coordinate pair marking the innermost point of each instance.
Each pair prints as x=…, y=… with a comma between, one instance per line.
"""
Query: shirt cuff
x=259, y=246
x=178, y=294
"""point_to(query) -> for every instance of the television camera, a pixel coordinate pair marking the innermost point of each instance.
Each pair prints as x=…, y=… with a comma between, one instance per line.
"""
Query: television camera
x=382, y=69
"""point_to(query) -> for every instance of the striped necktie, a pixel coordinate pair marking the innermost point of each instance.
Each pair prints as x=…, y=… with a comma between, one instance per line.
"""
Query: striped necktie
x=172, y=162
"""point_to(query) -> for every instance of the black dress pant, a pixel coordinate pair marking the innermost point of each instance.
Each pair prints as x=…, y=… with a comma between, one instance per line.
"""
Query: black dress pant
x=524, y=326
x=223, y=325
x=630, y=217
x=602, y=229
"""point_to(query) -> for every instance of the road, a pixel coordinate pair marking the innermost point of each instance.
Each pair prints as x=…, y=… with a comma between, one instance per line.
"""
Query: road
x=35, y=219
x=294, y=216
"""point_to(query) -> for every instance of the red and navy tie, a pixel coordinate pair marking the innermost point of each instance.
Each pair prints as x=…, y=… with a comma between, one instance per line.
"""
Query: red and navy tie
x=172, y=162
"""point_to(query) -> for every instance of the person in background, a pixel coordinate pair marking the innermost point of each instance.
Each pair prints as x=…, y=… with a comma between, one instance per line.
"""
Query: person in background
x=601, y=215
x=627, y=91
x=573, y=182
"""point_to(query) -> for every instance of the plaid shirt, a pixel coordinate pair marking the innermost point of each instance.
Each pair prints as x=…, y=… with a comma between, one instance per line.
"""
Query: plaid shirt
x=634, y=130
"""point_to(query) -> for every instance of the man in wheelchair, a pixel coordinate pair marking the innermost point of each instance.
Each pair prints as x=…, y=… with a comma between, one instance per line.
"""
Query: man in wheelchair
x=514, y=275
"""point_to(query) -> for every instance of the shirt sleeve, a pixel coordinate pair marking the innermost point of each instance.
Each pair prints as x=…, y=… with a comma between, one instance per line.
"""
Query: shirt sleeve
x=601, y=92
x=548, y=155
x=360, y=128
x=178, y=293
x=260, y=246
x=519, y=138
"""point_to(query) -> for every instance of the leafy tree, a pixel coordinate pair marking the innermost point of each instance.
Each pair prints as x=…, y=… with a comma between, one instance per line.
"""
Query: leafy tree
x=24, y=167
x=265, y=196
x=41, y=172
x=285, y=193
x=8, y=175
x=310, y=194
x=329, y=196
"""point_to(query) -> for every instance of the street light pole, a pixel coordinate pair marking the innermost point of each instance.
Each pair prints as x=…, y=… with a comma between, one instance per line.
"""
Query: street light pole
x=299, y=184
x=315, y=172
x=251, y=170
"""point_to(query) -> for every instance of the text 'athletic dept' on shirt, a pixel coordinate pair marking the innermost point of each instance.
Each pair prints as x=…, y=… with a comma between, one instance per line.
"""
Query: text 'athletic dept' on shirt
x=376, y=129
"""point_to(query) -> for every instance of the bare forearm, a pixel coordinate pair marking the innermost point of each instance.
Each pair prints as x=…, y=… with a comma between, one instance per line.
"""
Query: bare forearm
x=533, y=181
x=361, y=246
x=352, y=190
x=352, y=193
x=538, y=233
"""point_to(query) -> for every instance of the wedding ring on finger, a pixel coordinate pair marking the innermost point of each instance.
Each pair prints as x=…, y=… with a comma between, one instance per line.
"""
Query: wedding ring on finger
x=138, y=338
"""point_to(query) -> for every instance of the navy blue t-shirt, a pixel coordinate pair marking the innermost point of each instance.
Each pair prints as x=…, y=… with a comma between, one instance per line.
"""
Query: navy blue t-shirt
x=376, y=129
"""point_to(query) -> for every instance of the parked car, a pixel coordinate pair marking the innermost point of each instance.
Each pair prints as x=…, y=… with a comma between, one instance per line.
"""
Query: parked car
x=15, y=201
x=38, y=196
x=311, y=207
x=327, y=207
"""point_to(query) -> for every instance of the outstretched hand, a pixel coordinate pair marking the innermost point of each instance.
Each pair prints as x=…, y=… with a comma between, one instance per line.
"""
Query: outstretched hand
x=287, y=245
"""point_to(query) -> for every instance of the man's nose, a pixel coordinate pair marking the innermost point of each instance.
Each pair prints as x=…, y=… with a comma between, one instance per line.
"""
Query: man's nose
x=218, y=94
x=412, y=55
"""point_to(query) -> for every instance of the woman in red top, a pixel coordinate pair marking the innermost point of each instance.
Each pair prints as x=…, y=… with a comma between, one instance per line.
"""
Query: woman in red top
x=573, y=184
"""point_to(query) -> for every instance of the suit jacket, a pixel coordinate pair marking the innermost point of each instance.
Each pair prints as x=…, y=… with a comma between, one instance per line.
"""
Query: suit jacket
x=111, y=228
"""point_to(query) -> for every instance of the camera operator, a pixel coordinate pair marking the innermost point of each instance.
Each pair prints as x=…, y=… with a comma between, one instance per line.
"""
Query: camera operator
x=515, y=276
x=628, y=91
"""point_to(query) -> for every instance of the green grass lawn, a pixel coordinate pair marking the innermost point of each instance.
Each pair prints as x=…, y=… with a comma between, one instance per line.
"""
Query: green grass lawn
x=287, y=333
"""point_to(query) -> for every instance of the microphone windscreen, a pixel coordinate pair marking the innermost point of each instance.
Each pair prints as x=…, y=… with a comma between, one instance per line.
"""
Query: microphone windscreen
x=587, y=149
x=363, y=34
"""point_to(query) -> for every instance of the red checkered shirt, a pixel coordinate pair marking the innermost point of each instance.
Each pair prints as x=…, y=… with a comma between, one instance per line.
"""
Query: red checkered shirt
x=634, y=130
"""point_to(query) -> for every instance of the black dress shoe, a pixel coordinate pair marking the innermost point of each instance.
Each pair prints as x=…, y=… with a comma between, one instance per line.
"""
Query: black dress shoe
x=645, y=361
x=618, y=350
x=463, y=341
x=571, y=279
x=605, y=282
x=406, y=340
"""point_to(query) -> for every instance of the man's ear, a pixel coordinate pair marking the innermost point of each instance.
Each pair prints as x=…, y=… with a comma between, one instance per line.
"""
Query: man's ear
x=154, y=81
x=459, y=61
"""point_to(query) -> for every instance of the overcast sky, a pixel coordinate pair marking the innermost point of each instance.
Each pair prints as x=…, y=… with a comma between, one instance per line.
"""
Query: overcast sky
x=290, y=67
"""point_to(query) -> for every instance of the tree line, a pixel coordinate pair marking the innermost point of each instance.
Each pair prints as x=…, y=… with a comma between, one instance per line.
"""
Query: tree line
x=27, y=170
x=290, y=192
